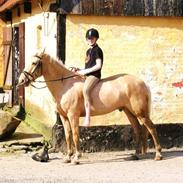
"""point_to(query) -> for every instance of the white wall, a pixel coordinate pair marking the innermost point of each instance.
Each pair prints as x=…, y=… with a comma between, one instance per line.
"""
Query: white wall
x=34, y=97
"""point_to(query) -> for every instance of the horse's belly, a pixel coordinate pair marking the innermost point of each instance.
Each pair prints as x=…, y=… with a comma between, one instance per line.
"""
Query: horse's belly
x=106, y=104
x=108, y=96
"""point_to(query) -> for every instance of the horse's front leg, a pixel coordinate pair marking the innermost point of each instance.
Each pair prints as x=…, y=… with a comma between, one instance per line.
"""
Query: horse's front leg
x=68, y=133
x=74, y=122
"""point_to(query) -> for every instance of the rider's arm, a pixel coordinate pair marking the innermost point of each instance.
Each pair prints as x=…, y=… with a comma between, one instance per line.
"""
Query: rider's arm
x=92, y=69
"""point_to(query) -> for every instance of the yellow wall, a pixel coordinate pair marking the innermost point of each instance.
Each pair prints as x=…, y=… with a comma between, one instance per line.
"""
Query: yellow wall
x=149, y=48
x=2, y=24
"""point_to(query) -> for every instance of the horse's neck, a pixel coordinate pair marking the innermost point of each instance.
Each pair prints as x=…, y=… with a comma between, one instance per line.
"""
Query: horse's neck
x=53, y=70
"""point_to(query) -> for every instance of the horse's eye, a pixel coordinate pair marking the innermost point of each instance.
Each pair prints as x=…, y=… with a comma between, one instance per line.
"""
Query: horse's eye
x=34, y=63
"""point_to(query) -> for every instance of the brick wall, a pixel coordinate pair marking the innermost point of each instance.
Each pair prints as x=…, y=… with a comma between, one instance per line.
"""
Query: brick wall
x=150, y=48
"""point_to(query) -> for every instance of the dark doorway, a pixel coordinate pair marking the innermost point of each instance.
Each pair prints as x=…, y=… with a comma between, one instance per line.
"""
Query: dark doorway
x=15, y=65
x=18, y=56
x=14, y=56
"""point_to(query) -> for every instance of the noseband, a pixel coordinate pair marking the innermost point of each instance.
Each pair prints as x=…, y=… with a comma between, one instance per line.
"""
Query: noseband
x=30, y=76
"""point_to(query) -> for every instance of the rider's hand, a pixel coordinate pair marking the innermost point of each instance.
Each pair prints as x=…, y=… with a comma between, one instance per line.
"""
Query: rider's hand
x=74, y=69
x=81, y=72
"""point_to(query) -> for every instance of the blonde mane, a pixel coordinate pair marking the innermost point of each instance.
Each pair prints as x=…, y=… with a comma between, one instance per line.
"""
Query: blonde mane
x=56, y=61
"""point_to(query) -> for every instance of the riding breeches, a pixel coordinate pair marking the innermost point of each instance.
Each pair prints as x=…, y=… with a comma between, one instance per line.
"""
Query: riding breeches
x=89, y=84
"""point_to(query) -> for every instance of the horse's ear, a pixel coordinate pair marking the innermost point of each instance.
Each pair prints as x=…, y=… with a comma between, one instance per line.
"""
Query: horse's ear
x=43, y=50
x=40, y=52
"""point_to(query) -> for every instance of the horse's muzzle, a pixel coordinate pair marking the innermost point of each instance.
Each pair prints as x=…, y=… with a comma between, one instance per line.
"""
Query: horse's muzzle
x=23, y=81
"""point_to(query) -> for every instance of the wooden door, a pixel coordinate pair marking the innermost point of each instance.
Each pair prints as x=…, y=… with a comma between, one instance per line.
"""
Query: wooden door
x=14, y=61
x=18, y=56
x=7, y=50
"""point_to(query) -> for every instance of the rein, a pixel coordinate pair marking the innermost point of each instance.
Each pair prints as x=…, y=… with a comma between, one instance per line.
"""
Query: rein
x=53, y=80
x=31, y=79
x=28, y=76
x=59, y=79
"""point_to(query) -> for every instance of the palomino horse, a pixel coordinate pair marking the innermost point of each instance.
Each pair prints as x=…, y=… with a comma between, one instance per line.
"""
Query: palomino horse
x=119, y=92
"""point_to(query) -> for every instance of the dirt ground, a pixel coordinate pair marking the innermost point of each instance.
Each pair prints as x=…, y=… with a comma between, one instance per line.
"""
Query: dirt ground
x=103, y=167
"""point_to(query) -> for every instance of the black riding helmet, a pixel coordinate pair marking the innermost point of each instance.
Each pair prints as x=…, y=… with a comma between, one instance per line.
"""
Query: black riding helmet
x=92, y=33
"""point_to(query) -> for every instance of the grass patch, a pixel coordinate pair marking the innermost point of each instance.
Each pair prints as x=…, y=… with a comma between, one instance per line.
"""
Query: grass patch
x=38, y=126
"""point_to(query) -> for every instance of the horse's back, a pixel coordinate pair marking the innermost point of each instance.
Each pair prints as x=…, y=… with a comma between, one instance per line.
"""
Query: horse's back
x=126, y=78
x=124, y=82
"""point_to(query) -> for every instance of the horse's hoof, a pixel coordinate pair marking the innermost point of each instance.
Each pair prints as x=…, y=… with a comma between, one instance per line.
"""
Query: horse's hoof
x=75, y=162
x=67, y=160
x=158, y=158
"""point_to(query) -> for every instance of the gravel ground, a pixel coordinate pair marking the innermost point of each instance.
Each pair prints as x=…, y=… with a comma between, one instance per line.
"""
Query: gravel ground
x=106, y=167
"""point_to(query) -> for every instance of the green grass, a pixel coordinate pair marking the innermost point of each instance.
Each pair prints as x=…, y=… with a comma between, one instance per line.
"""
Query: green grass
x=38, y=126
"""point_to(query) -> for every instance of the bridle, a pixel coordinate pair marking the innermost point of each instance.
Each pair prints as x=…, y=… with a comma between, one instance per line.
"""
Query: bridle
x=38, y=64
x=30, y=76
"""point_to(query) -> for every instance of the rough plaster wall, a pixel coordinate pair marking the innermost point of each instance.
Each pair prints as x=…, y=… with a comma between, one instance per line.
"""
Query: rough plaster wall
x=39, y=102
x=149, y=48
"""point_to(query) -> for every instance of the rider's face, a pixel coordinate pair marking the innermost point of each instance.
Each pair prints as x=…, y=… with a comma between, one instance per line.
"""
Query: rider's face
x=92, y=41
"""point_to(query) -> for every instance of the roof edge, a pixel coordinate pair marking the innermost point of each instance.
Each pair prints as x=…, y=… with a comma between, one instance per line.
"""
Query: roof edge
x=9, y=4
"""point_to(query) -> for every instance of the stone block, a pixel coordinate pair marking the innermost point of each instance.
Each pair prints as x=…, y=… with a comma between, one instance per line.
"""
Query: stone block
x=8, y=124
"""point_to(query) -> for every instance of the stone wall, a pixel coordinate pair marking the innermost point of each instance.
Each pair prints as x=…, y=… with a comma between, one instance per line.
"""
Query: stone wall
x=118, y=137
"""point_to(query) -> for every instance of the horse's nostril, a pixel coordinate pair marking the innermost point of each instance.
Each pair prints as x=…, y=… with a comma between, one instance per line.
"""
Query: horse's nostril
x=22, y=81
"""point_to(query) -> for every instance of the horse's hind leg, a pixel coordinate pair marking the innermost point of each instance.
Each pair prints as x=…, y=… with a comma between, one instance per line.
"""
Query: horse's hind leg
x=152, y=130
x=137, y=129
x=68, y=133
x=145, y=134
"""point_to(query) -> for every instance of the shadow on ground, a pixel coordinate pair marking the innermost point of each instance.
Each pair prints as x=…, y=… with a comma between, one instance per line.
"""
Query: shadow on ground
x=127, y=156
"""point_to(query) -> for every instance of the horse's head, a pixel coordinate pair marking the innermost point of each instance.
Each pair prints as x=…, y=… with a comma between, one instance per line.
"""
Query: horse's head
x=33, y=71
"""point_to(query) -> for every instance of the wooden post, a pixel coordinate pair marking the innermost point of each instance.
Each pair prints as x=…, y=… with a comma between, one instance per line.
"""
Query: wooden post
x=61, y=34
